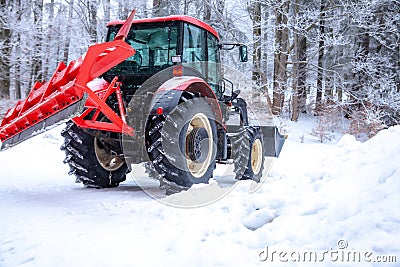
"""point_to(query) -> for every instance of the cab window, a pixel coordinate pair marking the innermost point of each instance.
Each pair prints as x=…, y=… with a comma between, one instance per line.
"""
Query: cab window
x=194, y=47
x=213, y=66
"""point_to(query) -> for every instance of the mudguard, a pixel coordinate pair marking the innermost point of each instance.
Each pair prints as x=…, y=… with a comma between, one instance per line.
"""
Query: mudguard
x=168, y=95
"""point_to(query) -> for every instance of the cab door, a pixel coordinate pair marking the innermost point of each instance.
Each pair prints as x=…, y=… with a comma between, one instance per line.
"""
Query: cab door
x=213, y=66
x=194, y=48
x=201, y=52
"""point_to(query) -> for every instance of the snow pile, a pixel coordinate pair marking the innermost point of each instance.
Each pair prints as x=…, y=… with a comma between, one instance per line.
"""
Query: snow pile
x=318, y=197
x=351, y=194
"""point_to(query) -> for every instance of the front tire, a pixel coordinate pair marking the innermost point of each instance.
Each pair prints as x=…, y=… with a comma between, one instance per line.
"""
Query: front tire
x=248, y=154
x=90, y=160
x=182, y=145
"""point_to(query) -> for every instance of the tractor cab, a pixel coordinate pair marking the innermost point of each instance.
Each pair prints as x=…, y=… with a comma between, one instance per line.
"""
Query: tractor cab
x=158, y=41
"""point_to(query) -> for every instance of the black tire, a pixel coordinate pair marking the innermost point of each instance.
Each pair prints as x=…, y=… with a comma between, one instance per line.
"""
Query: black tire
x=183, y=155
x=150, y=171
x=248, y=153
x=82, y=155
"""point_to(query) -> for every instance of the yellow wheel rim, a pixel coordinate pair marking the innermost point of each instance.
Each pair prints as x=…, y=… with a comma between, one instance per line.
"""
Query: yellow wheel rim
x=198, y=169
x=256, y=156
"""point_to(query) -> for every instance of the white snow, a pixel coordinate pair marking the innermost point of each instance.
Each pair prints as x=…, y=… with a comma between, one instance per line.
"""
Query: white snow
x=97, y=83
x=317, y=197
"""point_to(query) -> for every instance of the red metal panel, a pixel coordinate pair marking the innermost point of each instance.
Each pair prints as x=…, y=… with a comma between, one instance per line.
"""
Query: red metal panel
x=195, y=85
x=96, y=102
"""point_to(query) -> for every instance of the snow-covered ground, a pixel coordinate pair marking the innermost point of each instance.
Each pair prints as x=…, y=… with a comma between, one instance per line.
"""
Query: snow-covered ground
x=337, y=203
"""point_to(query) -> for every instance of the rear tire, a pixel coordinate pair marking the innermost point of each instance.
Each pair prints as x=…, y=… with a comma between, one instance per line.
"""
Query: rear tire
x=182, y=145
x=248, y=154
x=90, y=161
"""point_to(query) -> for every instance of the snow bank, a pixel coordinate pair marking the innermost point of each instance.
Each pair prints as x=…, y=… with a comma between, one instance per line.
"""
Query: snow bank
x=351, y=193
x=318, y=197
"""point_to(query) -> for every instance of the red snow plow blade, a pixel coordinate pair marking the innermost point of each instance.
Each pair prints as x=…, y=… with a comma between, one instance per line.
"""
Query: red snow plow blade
x=66, y=95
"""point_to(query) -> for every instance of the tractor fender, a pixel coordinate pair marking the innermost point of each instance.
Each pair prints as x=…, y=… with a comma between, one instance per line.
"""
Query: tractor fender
x=169, y=93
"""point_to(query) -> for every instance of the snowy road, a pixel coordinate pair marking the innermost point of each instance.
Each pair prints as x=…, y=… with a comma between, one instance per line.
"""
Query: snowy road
x=343, y=196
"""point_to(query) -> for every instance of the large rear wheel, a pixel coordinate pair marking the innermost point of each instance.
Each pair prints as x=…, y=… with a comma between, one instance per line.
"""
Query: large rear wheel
x=94, y=162
x=182, y=145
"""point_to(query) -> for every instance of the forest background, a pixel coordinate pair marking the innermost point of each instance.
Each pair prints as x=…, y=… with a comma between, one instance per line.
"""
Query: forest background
x=335, y=59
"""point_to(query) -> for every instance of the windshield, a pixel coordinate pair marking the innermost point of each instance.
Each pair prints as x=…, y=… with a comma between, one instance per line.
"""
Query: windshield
x=155, y=43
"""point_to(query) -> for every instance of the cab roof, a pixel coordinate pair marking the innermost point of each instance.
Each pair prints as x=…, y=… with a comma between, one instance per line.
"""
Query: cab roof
x=184, y=18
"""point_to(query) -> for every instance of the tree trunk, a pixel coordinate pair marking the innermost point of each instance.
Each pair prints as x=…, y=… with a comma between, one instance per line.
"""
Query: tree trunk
x=320, y=75
x=185, y=6
x=67, y=34
x=92, y=14
x=126, y=10
x=255, y=11
x=340, y=74
x=330, y=59
x=49, y=41
x=36, y=63
x=5, y=37
x=17, y=55
x=280, y=57
x=207, y=11
x=107, y=10
x=397, y=79
x=159, y=8
x=362, y=53
x=123, y=9
x=302, y=78
x=220, y=8
x=295, y=77
x=299, y=59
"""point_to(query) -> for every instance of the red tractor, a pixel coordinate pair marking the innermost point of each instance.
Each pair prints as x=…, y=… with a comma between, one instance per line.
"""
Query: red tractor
x=153, y=93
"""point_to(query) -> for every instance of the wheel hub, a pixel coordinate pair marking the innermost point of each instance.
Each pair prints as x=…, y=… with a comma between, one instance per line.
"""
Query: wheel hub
x=197, y=145
x=108, y=160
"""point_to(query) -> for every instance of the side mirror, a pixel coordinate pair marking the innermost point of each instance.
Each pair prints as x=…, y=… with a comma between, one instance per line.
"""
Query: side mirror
x=243, y=53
